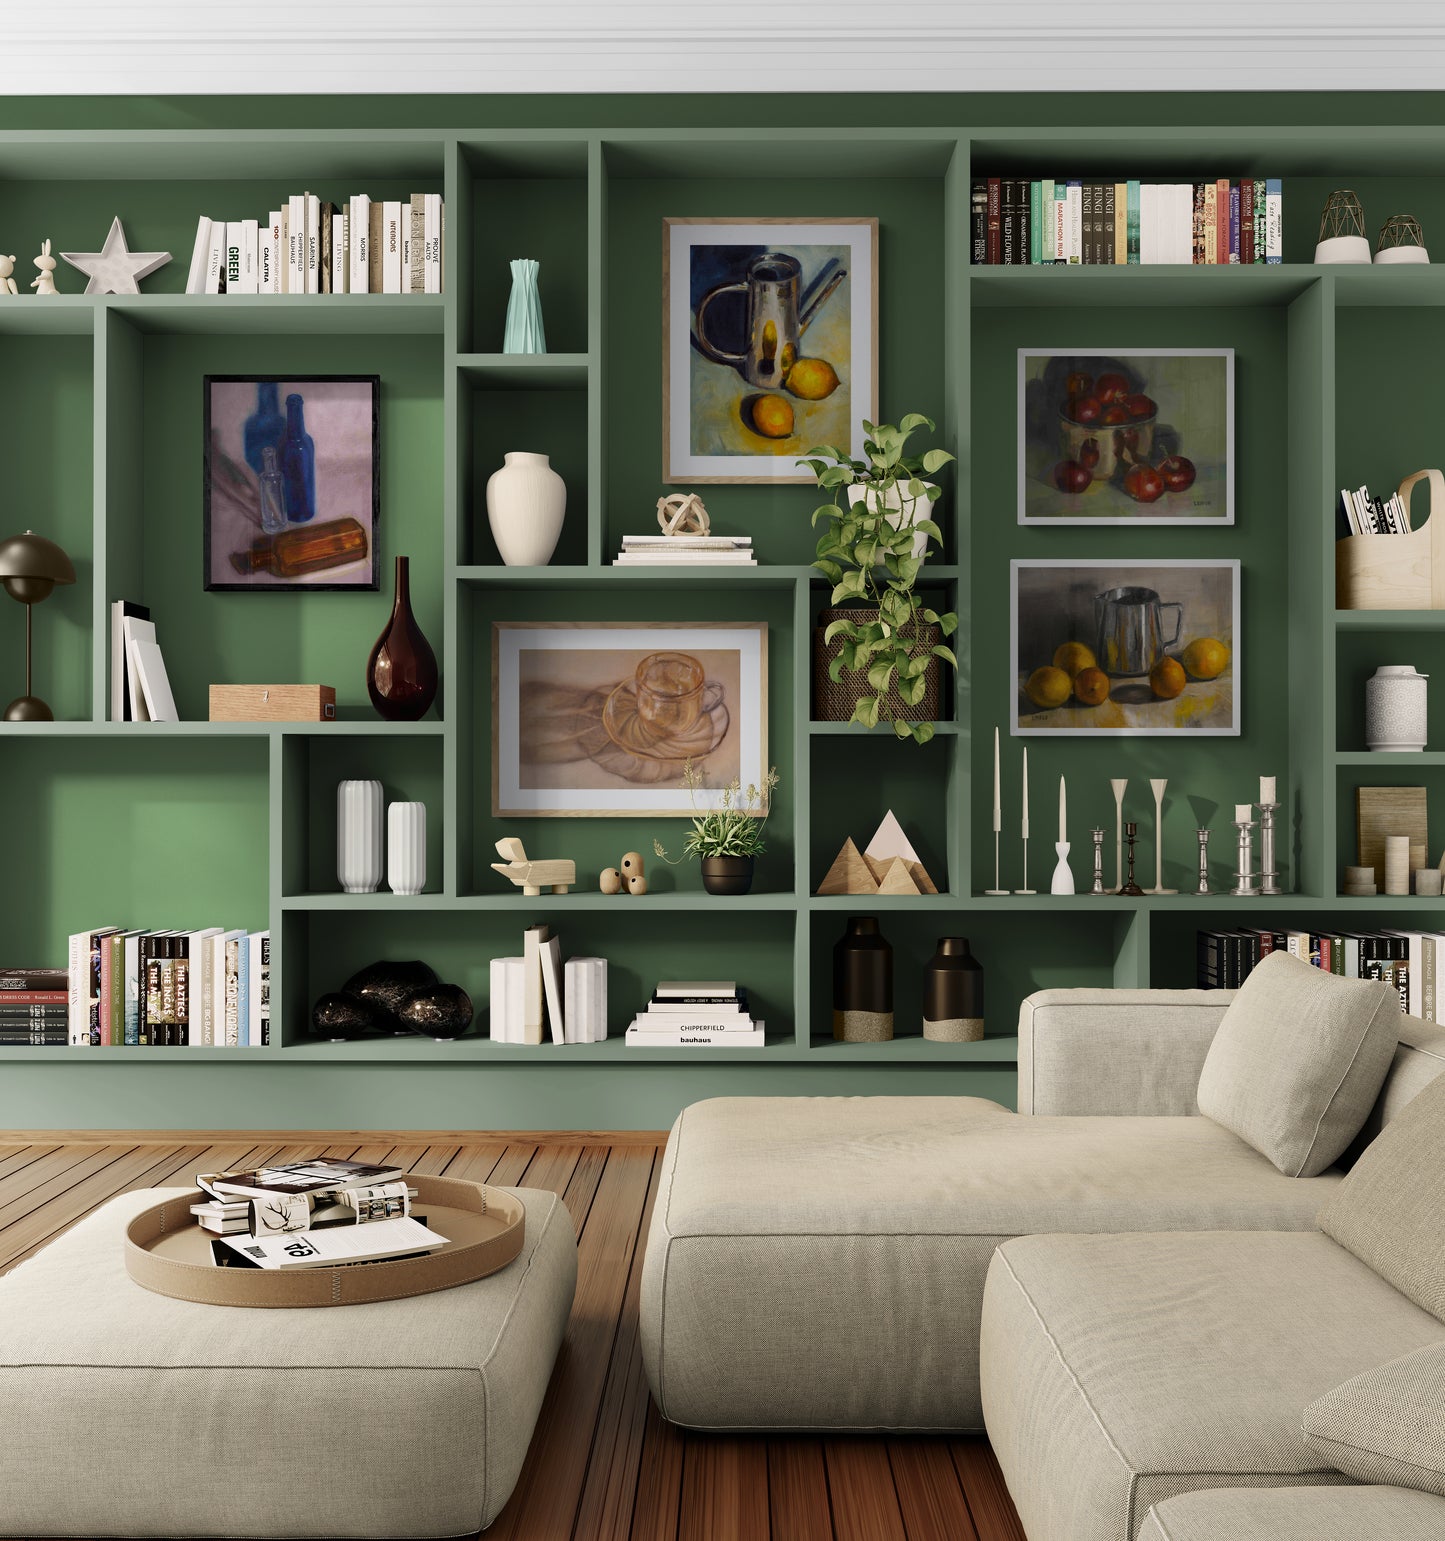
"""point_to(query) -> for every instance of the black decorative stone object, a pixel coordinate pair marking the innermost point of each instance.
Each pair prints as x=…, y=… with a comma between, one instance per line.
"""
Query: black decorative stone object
x=390, y=984
x=862, y=983
x=342, y=1017
x=438, y=1011
x=953, y=993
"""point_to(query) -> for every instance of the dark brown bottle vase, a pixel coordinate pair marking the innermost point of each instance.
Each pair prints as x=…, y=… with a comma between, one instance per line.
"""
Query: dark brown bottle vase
x=401, y=675
x=953, y=993
x=862, y=983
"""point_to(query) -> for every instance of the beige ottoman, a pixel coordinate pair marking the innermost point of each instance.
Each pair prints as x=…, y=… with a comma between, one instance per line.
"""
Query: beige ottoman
x=124, y=1413
x=1298, y=1514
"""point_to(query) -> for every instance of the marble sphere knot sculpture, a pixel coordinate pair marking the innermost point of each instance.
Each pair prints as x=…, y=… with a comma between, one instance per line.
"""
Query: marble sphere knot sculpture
x=683, y=514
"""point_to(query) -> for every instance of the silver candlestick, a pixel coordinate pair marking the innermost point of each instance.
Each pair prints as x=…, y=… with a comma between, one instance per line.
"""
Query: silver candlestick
x=1245, y=883
x=1202, y=835
x=1098, y=835
x=1268, y=876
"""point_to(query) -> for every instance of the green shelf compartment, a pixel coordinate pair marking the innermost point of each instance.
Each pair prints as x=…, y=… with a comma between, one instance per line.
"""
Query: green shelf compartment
x=1386, y=770
x=1357, y=655
x=409, y=769
x=597, y=843
x=156, y=833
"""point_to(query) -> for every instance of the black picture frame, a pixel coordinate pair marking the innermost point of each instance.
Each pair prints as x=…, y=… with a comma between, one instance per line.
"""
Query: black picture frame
x=214, y=585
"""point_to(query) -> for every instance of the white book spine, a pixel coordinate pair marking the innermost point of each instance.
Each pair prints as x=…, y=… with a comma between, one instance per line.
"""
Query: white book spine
x=1273, y=222
x=311, y=249
x=266, y=254
x=360, y=242
x=414, y=281
x=256, y=993
x=295, y=239
x=235, y=239
x=250, y=239
x=516, y=992
x=216, y=258
x=196, y=278
x=432, y=264
x=340, y=253
x=391, y=256
x=77, y=973
x=1076, y=223
x=497, y=1001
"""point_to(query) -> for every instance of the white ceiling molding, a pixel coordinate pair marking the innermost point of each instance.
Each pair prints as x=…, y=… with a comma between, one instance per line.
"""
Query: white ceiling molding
x=200, y=47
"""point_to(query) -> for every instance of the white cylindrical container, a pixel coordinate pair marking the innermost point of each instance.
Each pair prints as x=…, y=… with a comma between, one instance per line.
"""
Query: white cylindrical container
x=1397, y=864
x=406, y=847
x=526, y=503
x=359, y=849
x=898, y=509
x=1395, y=717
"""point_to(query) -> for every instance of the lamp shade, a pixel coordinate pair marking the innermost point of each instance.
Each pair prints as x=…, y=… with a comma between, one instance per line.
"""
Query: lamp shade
x=31, y=566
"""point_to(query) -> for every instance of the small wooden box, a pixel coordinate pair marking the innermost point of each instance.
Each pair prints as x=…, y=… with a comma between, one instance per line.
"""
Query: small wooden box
x=273, y=703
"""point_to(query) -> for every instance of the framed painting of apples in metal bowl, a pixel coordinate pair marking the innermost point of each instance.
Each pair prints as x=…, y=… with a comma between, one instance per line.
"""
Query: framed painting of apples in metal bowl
x=1138, y=436
x=1136, y=649
x=769, y=344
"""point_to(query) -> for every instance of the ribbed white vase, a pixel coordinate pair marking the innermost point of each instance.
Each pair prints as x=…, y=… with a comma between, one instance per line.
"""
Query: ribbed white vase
x=359, y=850
x=526, y=503
x=406, y=847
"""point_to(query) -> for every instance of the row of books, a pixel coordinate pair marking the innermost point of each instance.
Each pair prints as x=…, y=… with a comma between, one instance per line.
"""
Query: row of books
x=140, y=686
x=1369, y=515
x=1408, y=960
x=686, y=550
x=309, y=246
x=696, y=1014
x=165, y=989
x=1017, y=223
x=536, y=995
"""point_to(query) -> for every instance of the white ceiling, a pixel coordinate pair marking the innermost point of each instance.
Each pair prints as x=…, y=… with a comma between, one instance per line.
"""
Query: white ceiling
x=191, y=47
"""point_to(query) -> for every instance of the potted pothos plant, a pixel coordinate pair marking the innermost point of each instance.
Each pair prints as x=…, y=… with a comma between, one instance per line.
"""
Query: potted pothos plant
x=728, y=839
x=879, y=653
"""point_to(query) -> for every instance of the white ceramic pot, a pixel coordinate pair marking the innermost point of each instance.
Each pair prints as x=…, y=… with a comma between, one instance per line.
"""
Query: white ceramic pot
x=359, y=807
x=905, y=509
x=1343, y=248
x=406, y=847
x=1395, y=709
x=1402, y=254
x=526, y=503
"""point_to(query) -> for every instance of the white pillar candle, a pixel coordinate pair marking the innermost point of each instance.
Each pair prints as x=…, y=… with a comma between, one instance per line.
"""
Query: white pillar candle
x=1026, y=792
x=1063, y=812
x=1266, y=789
x=1243, y=813
x=997, y=798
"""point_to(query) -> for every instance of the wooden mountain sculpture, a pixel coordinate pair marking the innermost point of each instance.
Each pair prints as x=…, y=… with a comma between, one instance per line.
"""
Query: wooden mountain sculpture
x=849, y=873
x=890, y=865
x=890, y=844
x=897, y=879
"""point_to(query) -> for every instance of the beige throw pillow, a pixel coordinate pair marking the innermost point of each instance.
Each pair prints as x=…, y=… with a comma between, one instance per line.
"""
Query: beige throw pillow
x=1298, y=1061
x=1390, y=1210
x=1387, y=1425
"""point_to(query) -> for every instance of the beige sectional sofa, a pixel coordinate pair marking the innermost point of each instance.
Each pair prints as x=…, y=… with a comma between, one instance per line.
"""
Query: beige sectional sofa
x=1137, y=1300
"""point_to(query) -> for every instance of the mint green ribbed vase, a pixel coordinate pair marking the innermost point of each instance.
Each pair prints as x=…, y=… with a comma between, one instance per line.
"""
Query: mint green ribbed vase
x=524, y=333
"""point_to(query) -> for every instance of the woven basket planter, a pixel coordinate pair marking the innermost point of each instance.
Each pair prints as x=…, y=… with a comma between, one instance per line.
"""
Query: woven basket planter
x=834, y=702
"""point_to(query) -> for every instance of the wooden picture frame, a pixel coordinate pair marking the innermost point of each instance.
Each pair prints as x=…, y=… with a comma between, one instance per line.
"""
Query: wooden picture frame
x=597, y=719
x=709, y=391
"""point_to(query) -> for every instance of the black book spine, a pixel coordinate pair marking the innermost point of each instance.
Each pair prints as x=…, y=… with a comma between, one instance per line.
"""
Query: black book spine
x=150, y=990
x=1009, y=205
x=978, y=222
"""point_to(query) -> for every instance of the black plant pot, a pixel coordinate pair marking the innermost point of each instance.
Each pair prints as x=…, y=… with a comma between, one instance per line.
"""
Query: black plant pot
x=727, y=874
x=953, y=993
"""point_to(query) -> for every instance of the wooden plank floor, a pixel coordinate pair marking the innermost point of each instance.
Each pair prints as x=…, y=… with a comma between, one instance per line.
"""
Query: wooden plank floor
x=603, y=1465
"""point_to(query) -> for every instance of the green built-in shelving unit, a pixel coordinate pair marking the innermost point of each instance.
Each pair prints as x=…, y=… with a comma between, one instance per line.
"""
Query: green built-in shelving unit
x=199, y=823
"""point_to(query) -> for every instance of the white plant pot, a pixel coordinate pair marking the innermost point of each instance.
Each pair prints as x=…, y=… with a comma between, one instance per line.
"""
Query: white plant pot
x=1343, y=248
x=406, y=847
x=904, y=510
x=1395, y=709
x=359, y=848
x=526, y=503
x=1392, y=254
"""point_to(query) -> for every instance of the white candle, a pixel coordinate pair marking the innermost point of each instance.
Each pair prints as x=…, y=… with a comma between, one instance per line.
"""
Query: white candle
x=1063, y=813
x=1026, y=792
x=1243, y=813
x=1266, y=789
x=997, y=797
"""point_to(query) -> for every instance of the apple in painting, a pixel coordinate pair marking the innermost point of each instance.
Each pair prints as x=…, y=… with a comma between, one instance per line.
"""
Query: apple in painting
x=1143, y=483
x=1176, y=473
x=1089, y=454
x=1114, y=413
x=1111, y=387
x=1140, y=406
x=1084, y=409
x=1070, y=476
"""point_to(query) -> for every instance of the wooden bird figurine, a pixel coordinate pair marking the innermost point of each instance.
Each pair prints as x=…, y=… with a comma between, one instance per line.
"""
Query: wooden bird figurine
x=533, y=876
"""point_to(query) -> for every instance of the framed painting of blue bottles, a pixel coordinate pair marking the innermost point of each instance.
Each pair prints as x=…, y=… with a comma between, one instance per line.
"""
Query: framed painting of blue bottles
x=292, y=482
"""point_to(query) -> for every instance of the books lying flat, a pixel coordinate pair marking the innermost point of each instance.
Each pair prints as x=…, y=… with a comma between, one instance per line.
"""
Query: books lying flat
x=404, y=1237
x=665, y=550
x=646, y=1034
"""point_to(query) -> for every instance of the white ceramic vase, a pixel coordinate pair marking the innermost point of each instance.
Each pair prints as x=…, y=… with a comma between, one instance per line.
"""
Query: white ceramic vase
x=406, y=847
x=526, y=503
x=359, y=847
x=1395, y=709
x=902, y=510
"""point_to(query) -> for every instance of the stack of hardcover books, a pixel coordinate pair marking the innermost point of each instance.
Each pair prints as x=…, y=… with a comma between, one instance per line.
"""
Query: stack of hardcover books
x=696, y=1014
x=686, y=551
x=34, y=1007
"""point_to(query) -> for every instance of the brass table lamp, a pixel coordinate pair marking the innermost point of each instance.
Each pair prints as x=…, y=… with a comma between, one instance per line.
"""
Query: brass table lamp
x=30, y=567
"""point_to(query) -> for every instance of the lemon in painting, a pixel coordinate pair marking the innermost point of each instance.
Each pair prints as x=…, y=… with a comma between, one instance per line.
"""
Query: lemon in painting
x=1206, y=658
x=1049, y=687
x=812, y=379
x=772, y=417
x=1072, y=657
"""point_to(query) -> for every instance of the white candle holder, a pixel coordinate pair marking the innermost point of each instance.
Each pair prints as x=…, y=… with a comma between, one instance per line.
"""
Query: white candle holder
x=1063, y=879
x=1268, y=875
x=1159, y=888
x=1119, y=787
x=1246, y=885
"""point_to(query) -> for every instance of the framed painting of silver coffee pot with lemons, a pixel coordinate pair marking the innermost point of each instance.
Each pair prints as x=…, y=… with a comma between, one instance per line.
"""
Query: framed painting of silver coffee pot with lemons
x=1132, y=648
x=769, y=344
x=597, y=719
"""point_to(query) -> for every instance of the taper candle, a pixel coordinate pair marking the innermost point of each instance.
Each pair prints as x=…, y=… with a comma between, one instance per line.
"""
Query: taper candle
x=1266, y=789
x=1026, y=792
x=997, y=796
x=1063, y=812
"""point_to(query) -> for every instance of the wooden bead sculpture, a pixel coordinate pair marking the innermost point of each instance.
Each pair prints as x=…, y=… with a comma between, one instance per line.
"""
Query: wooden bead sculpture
x=683, y=514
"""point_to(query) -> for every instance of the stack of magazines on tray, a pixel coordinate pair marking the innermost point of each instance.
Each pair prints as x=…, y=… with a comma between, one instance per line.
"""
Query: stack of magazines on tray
x=311, y=1214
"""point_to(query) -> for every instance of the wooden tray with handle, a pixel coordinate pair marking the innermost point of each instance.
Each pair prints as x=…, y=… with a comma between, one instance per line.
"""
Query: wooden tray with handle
x=1396, y=572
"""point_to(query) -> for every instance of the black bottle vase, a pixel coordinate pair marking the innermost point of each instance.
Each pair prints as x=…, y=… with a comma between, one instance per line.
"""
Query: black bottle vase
x=401, y=674
x=953, y=993
x=862, y=983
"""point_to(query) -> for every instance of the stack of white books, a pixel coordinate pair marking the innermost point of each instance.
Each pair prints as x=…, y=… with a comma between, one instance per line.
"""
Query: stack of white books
x=688, y=550
x=686, y=1013
x=536, y=995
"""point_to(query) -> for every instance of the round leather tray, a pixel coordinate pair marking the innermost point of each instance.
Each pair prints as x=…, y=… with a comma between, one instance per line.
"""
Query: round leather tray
x=168, y=1252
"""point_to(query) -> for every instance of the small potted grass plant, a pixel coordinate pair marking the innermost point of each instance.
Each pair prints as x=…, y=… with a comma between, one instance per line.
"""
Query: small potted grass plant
x=728, y=839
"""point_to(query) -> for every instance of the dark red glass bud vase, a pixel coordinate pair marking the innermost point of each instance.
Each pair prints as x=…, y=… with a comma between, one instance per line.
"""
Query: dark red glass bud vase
x=401, y=674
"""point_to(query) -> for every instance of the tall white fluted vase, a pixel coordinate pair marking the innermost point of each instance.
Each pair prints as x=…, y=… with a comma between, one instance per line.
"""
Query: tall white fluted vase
x=360, y=828
x=526, y=504
x=406, y=847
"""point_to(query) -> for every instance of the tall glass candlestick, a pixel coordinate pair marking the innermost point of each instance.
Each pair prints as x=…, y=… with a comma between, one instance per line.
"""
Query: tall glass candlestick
x=1268, y=876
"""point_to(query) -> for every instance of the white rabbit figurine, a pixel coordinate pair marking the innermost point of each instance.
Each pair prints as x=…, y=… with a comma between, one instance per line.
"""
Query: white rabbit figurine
x=7, y=267
x=45, y=284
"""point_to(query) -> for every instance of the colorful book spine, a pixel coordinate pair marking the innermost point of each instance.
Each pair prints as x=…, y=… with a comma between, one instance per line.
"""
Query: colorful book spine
x=994, y=229
x=1234, y=233
x=1273, y=220
x=1131, y=237
x=1246, y=220
x=978, y=222
x=1047, y=222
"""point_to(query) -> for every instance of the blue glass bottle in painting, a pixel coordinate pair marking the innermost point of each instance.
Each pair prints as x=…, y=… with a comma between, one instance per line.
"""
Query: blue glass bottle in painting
x=524, y=332
x=266, y=425
x=273, y=493
x=298, y=464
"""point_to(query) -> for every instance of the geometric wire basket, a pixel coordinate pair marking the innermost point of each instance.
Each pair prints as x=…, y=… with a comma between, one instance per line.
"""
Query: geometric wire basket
x=1343, y=216
x=1400, y=230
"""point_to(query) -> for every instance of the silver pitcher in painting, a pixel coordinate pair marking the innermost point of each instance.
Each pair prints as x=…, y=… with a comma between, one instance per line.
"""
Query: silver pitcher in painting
x=1130, y=626
x=774, y=328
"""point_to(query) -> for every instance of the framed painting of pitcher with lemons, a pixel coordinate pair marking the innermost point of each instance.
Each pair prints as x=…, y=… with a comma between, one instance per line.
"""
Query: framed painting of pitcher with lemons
x=1131, y=648
x=769, y=344
x=599, y=719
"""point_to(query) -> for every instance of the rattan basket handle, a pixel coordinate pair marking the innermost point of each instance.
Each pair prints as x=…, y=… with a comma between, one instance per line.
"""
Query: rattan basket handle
x=1432, y=527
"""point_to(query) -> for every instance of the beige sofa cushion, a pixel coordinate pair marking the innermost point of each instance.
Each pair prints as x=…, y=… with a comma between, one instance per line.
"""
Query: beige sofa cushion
x=1119, y=1371
x=1390, y=1210
x=1387, y=1425
x=831, y=1251
x=1297, y=1514
x=1298, y=1061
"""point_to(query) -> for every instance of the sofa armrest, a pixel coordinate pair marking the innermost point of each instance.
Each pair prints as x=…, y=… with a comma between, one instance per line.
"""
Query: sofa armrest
x=1115, y=1051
